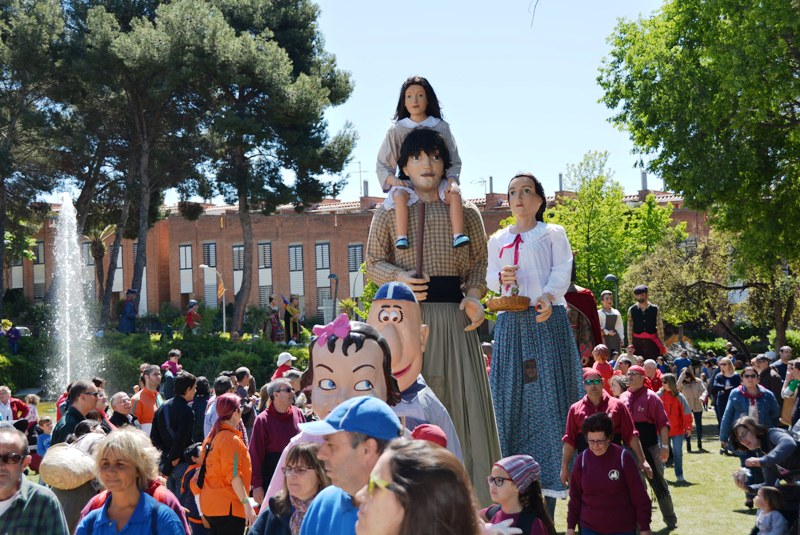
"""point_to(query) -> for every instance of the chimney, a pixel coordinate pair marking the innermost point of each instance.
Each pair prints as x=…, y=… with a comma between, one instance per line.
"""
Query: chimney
x=491, y=184
x=560, y=182
x=644, y=180
x=366, y=188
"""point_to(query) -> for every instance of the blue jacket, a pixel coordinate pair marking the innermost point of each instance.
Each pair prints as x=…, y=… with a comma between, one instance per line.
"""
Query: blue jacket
x=738, y=405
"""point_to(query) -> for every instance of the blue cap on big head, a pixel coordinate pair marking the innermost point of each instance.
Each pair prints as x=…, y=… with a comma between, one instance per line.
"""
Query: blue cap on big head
x=363, y=414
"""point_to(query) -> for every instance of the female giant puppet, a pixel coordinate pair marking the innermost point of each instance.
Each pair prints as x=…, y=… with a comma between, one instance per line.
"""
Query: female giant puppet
x=449, y=288
x=536, y=370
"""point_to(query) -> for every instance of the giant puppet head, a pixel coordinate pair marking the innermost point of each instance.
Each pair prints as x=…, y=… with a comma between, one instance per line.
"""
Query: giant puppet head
x=348, y=359
x=396, y=314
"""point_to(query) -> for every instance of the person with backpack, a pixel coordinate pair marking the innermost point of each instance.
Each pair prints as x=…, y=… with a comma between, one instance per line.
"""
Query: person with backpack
x=514, y=486
x=605, y=477
x=126, y=462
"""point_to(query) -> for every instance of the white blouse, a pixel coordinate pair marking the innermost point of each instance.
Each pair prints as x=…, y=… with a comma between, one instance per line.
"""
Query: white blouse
x=545, y=261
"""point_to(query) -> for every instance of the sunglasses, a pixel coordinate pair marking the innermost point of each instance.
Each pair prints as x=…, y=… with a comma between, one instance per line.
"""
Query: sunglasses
x=588, y=382
x=497, y=481
x=375, y=482
x=749, y=376
x=11, y=458
x=284, y=390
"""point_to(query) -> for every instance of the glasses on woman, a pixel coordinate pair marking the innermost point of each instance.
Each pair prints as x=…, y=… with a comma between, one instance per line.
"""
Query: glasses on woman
x=497, y=481
x=600, y=442
x=296, y=470
x=749, y=376
x=589, y=382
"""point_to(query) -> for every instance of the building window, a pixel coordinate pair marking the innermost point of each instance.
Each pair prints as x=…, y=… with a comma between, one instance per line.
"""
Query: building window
x=185, y=257
x=238, y=257
x=265, y=255
x=295, y=258
x=38, y=253
x=86, y=251
x=210, y=254
x=323, y=254
x=355, y=257
x=263, y=295
x=323, y=297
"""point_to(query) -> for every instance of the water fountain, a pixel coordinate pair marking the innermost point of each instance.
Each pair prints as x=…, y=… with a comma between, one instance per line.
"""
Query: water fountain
x=77, y=357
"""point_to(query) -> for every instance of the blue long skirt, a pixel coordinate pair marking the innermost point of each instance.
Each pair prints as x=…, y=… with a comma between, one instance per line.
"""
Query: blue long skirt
x=536, y=375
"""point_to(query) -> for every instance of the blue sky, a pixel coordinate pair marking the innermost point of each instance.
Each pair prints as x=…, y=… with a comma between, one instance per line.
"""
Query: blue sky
x=519, y=93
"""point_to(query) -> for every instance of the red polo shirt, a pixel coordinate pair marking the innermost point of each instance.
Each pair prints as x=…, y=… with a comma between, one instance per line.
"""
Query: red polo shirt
x=582, y=409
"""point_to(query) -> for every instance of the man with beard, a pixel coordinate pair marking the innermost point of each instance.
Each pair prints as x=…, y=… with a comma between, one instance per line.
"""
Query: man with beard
x=645, y=326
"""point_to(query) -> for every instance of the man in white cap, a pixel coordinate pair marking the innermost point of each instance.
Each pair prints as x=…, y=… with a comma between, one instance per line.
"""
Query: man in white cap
x=285, y=360
x=355, y=433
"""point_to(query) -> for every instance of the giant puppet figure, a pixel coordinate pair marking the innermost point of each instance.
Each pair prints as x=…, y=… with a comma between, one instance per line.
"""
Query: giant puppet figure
x=346, y=359
x=449, y=284
x=396, y=314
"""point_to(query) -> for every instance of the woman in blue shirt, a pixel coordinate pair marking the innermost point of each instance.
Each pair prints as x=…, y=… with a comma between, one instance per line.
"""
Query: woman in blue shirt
x=126, y=461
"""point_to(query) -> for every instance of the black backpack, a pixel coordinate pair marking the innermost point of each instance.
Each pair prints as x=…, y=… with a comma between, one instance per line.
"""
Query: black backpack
x=524, y=522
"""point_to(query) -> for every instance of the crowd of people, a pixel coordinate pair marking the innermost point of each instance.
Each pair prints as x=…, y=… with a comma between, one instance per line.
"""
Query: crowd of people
x=372, y=438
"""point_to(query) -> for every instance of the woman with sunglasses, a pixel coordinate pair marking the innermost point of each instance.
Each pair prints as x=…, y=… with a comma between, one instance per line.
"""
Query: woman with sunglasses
x=417, y=487
x=605, y=477
x=304, y=476
x=515, y=489
x=749, y=399
x=724, y=382
x=224, y=497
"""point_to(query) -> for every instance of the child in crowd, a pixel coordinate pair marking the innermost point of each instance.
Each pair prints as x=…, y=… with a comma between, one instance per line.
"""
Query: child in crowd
x=769, y=520
x=418, y=107
x=190, y=494
x=514, y=487
x=601, y=365
x=45, y=436
x=32, y=400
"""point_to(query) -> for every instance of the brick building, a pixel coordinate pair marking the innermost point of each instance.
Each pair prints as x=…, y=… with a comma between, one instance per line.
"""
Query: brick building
x=304, y=254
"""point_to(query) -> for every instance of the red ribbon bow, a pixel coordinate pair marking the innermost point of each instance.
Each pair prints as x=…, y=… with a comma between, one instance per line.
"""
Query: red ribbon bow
x=340, y=327
x=515, y=245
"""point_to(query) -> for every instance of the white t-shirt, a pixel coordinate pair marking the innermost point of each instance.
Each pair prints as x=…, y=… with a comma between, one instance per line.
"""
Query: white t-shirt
x=5, y=505
x=5, y=410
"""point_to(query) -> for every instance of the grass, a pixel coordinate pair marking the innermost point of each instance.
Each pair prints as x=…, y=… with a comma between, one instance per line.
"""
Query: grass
x=708, y=503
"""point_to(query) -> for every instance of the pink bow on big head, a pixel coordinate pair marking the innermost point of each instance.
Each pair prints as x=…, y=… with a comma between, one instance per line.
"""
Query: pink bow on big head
x=339, y=327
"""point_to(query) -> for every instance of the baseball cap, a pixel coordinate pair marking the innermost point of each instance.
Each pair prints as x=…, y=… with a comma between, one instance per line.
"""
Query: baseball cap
x=285, y=357
x=637, y=369
x=363, y=414
x=640, y=289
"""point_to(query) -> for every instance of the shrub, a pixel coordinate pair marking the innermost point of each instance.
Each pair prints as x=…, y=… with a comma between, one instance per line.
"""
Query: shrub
x=718, y=345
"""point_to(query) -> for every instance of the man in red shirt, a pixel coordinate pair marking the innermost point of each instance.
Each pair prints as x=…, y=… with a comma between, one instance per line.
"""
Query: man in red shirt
x=597, y=400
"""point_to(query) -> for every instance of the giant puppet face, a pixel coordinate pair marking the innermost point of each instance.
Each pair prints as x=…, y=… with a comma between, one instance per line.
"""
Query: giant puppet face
x=396, y=314
x=348, y=359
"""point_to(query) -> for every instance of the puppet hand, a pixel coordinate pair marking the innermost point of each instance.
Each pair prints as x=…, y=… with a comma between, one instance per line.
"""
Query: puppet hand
x=473, y=308
x=453, y=187
x=418, y=285
x=503, y=528
x=508, y=275
x=544, y=308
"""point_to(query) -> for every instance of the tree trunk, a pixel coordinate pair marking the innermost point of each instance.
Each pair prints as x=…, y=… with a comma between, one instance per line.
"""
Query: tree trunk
x=99, y=274
x=92, y=179
x=105, y=307
x=243, y=295
x=144, y=212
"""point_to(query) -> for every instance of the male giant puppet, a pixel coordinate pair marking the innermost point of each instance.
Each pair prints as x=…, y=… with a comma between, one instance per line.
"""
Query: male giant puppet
x=450, y=287
x=396, y=314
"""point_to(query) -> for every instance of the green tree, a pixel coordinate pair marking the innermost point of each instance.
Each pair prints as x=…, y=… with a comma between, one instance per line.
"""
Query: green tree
x=594, y=220
x=708, y=89
x=30, y=32
x=650, y=225
x=267, y=83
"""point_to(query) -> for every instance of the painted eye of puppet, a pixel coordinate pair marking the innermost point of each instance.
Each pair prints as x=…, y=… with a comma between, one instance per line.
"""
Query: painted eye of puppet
x=363, y=386
x=386, y=316
x=327, y=384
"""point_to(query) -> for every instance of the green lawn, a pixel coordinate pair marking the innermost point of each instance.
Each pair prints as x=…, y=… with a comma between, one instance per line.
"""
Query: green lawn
x=709, y=503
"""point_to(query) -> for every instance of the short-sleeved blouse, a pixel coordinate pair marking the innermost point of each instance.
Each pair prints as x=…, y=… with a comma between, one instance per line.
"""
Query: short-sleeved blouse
x=545, y=261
